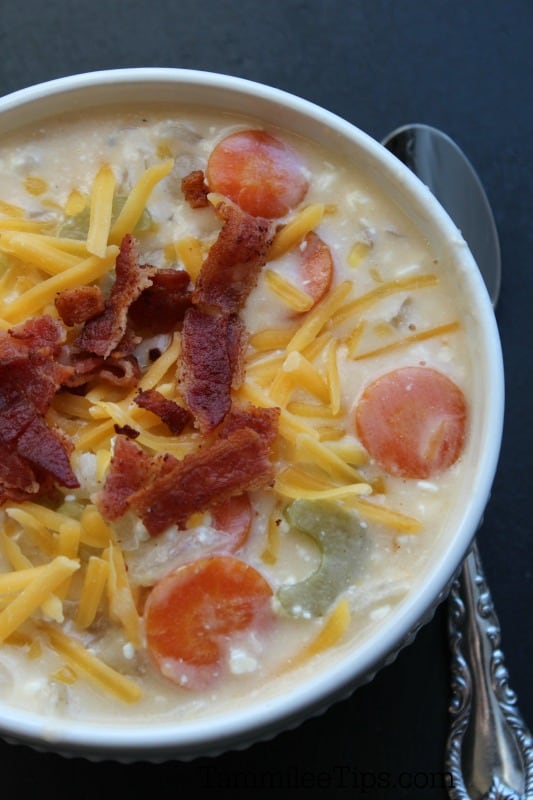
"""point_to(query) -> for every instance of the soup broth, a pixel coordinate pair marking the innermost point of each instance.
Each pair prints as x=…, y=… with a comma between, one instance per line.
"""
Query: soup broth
x=216, y=480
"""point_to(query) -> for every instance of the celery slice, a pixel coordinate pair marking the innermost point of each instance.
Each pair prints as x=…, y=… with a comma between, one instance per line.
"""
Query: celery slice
x=77, y=227
x=343, y=544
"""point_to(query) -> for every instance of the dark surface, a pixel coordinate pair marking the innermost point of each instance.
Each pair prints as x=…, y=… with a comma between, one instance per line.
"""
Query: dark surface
x=466, y=67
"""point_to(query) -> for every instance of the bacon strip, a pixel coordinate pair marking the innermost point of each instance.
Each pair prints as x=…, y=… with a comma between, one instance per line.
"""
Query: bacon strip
x=263, y=421
x=120, y=371
x=17, y=478
x=127, y=472
x=43, y=335
x=44, y=448
x=213, y=333
x=212, y=345
x=33, y=455
x=103, y=333
x=213, y=474
x=173, y=415
x=32, y=379
x=161, y=307
x=232, y=267
x=164, y=491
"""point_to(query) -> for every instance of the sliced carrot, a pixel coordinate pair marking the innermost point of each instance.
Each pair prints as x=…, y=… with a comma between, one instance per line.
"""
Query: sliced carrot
x=234, y=517
x=316, y=267
x=194, y=614
x=412, y=421
x=258, y=172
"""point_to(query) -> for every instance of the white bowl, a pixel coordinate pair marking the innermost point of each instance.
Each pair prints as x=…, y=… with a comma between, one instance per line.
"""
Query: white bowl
x=251, y=722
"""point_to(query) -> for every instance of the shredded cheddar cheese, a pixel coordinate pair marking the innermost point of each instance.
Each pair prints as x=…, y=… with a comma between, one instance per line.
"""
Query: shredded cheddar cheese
x=32, y=248
x=121, y=602
x=34, y=593
x=334, y=629
x=137, y=200
x=407, y=341
x=37, y=298
x=96, y=576
x=90, y=667
x=101, y=211
x=293, y=233
x=293, y=297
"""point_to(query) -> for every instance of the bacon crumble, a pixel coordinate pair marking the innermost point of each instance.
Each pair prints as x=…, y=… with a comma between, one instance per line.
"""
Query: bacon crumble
x=102, y=334
x=195, y=189
x=175, y=417
x=213, y=334
x=263, y=421
x=33, y=454
x=160, y=308
x=127, y=472
x=35, y=362
x=232, y=266
x=212, y=346
x=76, y=306
x=165, y=491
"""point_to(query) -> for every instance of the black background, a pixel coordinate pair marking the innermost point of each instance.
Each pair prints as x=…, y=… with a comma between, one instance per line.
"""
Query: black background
x=465, y=66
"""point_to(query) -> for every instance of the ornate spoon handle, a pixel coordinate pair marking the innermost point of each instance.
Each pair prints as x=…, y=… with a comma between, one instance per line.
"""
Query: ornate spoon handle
x=489, y=750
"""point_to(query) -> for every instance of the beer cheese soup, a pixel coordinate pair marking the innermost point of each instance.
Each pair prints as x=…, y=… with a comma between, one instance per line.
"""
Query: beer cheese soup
x=234, y=411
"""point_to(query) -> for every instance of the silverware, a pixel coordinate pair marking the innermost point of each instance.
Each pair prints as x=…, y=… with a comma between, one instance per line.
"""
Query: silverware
x=489, y=753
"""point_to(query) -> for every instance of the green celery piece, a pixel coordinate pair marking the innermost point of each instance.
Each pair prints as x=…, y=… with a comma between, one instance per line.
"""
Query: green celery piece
x=343, y=544
x=77, y=227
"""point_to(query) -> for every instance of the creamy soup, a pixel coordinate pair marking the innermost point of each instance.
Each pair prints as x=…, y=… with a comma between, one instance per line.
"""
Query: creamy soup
x=235, y=411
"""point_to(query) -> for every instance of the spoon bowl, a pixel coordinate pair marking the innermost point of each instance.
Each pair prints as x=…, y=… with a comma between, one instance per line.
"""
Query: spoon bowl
x=489, y=748
x=439, y=163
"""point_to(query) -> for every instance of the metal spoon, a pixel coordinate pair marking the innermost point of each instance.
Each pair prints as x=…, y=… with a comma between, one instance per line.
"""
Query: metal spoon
x=489, y=752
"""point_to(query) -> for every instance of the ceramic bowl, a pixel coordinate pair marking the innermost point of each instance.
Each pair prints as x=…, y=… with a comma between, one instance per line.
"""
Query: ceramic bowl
x=251, y=721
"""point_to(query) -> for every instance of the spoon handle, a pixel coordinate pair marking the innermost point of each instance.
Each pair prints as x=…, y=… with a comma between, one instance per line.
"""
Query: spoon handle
x=489, y=750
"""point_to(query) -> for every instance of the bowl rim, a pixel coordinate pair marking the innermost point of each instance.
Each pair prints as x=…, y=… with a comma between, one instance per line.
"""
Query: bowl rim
x=213, y=735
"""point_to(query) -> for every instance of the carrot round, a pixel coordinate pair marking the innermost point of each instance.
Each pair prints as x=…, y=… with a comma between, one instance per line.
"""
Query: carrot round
x=193, y=615
x=258, y=172
x=412, y=421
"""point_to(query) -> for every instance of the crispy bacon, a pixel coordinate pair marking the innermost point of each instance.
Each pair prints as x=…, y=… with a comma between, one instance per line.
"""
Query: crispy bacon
x=164, y=491
x=16, y=413
x=80, y=304
x=28, y=372
x=173, y=415
x=32, y=379
x=232, y=266
x=211, y=351
x=195, y=189
x=127, y=430
x=103, y=333
x=17, y=478
x=47, y=449
x=127, y=344
x=40, y=335
x=33, y=455
x=227, y=467
x=143, y=300
x=161, y=307
x=127, y=474
x=121, y=371
x=263, y=421
x=213, y=333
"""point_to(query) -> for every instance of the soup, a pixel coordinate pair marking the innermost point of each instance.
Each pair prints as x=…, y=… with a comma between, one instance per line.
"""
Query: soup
x=236, y=411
